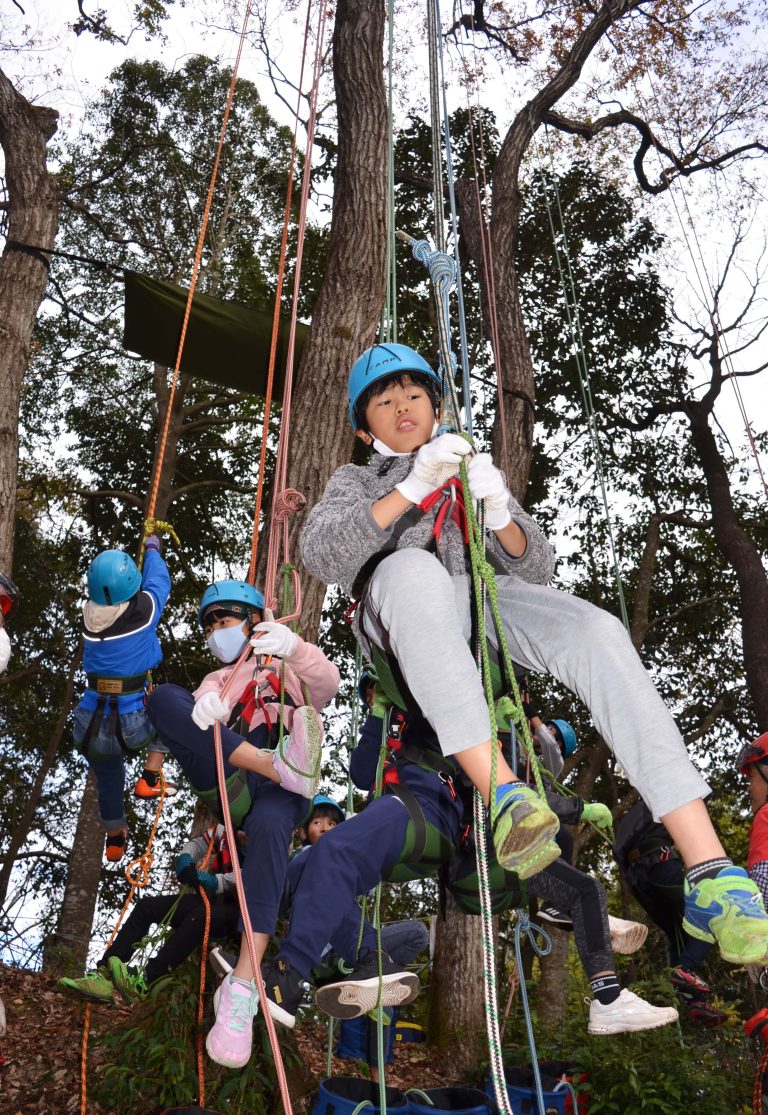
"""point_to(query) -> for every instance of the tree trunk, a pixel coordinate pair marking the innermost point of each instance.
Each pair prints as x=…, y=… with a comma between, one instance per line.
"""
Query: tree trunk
x=457, y=996
x=66, y=952
x=347, y=310
x=738, y=549
x=32, y=219
x=552, y=996
x=21, y=830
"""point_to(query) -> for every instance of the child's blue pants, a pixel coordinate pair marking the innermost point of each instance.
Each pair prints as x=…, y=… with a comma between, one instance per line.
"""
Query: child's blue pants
x=346, y=862
x=274, y=813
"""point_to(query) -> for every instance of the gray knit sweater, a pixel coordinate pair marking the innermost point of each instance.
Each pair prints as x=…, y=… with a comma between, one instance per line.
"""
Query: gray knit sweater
x=341, y=534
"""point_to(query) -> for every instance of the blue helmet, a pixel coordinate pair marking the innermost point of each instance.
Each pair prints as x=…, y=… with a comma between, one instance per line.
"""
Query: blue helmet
x=113, y=577
x=567, y=735
x=380, y=362
x=323, y=799
x=367, y=677
x=237, y=597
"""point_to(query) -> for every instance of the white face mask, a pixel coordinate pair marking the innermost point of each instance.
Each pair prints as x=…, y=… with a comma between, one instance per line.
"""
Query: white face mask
x=226, y=643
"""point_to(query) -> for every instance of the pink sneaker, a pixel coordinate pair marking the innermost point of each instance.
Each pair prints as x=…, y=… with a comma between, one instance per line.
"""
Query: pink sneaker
x=299, y=764
x=229, y=1040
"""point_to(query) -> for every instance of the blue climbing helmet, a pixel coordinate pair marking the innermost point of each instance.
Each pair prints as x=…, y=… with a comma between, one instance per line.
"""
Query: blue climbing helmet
x=323, y=799
x=567, y=735
x=381, y=362
x=235, y=598
x=113, y=577
x=367, y=677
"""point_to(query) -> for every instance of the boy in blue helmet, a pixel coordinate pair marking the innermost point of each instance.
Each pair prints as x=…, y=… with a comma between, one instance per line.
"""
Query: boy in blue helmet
x=120, y=647
x=372, y=533
x=267, y=785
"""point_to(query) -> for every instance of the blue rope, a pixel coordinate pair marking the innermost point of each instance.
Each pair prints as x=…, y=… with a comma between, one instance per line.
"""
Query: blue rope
x=524, y=925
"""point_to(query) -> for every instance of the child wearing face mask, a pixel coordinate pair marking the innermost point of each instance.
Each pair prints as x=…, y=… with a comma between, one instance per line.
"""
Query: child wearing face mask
x=268, y=782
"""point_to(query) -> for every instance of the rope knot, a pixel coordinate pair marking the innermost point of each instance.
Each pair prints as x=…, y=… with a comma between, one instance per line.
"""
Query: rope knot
x=137, y=871
x=287, y=502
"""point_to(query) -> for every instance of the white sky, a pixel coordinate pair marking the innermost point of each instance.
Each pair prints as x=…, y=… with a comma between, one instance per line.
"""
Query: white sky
x=63, y=71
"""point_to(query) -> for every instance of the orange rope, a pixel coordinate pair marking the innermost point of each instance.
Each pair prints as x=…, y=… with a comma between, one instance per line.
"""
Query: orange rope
x=286, y=499
x=276, y=320
x=196, y=267
x=137, y=874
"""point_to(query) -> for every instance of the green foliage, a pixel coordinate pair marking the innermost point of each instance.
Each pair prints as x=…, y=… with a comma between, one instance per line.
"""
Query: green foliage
x=149, y=1062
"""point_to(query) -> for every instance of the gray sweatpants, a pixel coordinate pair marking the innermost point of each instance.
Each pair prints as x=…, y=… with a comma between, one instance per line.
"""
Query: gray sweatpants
x=418, y=613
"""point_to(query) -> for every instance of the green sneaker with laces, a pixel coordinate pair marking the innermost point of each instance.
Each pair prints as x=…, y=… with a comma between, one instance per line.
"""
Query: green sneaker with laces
x=128, y=982
x=93, y=987
x=728, y=909
x=524, y=830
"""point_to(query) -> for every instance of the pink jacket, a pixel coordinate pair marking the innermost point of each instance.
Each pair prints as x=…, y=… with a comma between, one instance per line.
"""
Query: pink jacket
x=307, y=664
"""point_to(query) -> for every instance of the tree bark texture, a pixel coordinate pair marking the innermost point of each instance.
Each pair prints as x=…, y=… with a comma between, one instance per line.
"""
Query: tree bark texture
x=347, y=310
x=67, y=950
x=33, y=218
x=552, y=991
x=738, y=549
x=457, y=996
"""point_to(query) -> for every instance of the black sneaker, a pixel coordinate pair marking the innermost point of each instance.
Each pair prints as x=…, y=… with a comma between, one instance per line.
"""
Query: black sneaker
x=284, y=989
x=555, y=917
x=358, y=993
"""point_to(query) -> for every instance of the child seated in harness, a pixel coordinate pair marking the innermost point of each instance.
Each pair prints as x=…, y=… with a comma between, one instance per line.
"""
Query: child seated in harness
x=120, y=648
x=652, y=870
x=372, y=533
x=184, y=914
x=280, y=687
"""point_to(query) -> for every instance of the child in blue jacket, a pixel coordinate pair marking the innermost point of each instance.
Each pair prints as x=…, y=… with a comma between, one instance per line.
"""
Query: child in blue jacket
x=120, y=647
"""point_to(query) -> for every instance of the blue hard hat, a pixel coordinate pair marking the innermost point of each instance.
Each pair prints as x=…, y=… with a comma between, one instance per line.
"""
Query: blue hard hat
x=367, y=677
x=380, y=362
x=113, y=577
x=567, y=734
x=237, y=597
x=323, y=799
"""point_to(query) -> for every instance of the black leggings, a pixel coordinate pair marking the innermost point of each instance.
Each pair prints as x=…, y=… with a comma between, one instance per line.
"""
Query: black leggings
x=583, y=898
x=187, y=922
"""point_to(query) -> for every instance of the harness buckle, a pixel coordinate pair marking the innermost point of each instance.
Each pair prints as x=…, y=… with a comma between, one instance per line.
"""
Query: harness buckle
x=109, y=685
x=447, y=781
x=663, y=854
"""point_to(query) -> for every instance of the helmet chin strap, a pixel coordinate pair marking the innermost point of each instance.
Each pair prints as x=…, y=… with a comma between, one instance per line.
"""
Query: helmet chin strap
x=385, y=451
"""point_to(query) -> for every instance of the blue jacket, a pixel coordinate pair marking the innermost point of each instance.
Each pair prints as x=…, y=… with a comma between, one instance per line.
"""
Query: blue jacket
x=130, y=646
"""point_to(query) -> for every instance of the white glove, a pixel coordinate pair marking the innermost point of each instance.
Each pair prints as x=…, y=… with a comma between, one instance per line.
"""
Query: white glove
x=487, y=482
x=436, y=462
x=5, y=649
x=208, y=709
x=274, y=638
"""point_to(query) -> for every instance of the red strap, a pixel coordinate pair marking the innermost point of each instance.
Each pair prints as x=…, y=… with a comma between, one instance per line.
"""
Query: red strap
x=452, y=507
x=251, y=698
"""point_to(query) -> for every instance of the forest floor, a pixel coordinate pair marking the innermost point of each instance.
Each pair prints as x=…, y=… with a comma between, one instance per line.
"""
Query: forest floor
x=40, y=1055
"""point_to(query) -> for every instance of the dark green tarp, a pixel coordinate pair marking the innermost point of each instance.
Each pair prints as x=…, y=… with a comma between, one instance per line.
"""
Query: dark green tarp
x=226, y=343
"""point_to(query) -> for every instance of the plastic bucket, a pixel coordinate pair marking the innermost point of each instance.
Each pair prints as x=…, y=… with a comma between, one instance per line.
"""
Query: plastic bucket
x=409, y=1031
x=450, y=1101
x=340, y=1095
x=570, y=1071
x=521, y=1091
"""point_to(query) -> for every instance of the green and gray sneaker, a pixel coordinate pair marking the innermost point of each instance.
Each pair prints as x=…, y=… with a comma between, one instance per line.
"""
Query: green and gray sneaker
x=728, y=909
x=128, y=982
x=93, y=987
x=524, y=830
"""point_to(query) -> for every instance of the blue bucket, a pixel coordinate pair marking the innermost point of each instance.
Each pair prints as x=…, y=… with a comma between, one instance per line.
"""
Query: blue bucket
x=521, y=1090
x=341, y=1095
x=451, y=1101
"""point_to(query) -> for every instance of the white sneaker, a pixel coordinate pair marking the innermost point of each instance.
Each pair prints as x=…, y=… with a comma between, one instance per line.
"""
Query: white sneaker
x=626, y=1014
x=299, y=764
x=626, y=936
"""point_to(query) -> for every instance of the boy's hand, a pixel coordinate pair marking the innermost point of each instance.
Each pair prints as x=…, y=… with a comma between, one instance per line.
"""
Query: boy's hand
x=435, y=462
x=274, y=638
x=208, y=882
x=152, y=542
x=487, y=482
x=185, y=870
x=208, y=709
